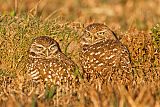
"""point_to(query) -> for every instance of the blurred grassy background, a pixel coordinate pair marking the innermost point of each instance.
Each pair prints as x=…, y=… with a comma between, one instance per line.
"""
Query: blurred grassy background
x=141, y=14
x=134, y=21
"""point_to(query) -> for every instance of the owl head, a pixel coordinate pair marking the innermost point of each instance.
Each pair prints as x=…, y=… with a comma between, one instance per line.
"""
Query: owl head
x=43, y=47
x=96, y=32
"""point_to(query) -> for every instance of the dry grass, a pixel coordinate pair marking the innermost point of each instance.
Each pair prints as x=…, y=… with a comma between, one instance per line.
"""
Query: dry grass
x=64, y=21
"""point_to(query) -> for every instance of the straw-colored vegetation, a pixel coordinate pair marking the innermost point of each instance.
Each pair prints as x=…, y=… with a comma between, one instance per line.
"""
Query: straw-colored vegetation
x=136, y=23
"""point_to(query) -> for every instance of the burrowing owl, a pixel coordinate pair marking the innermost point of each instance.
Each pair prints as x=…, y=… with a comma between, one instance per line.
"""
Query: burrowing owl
x=48, y=64
x=102, y=54
x=96, y=32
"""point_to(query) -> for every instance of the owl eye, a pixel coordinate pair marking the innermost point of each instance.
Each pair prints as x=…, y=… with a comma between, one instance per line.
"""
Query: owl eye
x=53, y=47
x=39, y=48
x=100, y=33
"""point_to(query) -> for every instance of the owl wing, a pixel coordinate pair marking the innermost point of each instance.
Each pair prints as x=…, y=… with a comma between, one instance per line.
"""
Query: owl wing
x=104, y=55
x=70, y=66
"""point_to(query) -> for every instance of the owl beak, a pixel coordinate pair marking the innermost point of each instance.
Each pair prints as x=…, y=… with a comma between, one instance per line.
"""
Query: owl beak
x=47, y=52
x=92, y=38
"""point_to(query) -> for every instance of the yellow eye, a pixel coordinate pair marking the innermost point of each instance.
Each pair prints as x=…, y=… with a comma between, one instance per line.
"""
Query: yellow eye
x=100, y=33
x=53, y=47
x=39, y=48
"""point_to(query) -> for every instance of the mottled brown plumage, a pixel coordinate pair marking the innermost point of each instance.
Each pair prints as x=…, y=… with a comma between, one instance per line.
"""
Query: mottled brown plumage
x=103, y=55
x=48, y=64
